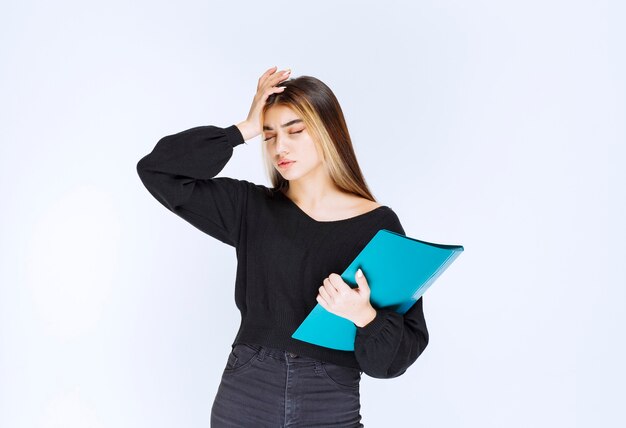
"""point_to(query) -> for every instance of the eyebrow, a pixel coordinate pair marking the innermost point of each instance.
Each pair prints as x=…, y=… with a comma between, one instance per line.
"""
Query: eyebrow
x=291, y=122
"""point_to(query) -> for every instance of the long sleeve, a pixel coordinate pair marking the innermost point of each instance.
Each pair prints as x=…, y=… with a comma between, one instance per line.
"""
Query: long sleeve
x=391, y=342
x=180, y=171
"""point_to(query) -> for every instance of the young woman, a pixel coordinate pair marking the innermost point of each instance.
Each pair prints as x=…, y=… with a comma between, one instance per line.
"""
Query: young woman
x=292, y=240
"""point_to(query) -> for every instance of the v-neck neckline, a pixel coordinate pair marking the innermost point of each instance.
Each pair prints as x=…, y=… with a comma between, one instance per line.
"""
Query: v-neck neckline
x=343, y=220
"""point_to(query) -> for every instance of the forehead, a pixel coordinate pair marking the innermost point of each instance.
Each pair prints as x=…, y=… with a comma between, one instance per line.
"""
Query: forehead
x=277, y=116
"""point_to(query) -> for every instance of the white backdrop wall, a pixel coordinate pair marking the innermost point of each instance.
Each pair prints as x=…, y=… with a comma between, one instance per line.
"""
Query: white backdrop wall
x=498, y=125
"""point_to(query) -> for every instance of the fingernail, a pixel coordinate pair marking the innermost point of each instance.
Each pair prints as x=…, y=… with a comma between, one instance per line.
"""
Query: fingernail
x=359, y=273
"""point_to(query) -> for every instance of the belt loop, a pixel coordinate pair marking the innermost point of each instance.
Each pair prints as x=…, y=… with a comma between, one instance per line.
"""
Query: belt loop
x=261, y=355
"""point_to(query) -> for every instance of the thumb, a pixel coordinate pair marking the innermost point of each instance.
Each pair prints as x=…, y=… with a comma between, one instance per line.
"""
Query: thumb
x=361, y=281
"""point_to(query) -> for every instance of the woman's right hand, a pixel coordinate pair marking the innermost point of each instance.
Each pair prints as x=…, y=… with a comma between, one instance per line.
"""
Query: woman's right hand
x=251, y=127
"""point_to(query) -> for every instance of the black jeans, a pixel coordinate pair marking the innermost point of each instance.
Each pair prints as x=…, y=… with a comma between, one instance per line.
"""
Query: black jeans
x=268, y=387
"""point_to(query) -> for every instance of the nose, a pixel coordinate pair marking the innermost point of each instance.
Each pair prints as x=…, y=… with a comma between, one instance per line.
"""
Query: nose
x=281, y=146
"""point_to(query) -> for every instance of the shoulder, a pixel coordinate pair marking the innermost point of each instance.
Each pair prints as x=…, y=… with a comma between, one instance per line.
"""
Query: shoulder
x=368, y=205
x=385, y=218
x=357, y=205
x=390, y=221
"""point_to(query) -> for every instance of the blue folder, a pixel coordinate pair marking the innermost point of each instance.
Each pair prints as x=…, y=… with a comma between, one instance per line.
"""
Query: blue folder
x=398, y=269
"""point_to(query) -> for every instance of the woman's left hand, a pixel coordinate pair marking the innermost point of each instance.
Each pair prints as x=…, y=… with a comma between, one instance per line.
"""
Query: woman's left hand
x=339, y=298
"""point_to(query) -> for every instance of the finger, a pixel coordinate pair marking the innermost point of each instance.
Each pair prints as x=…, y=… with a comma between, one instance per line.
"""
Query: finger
x=330, y=287
x=273, y=90
x=263, y=80
x=339, y=283
x=361, y=280
x=267, y=73
x=324, y=293
x=277, y=78
x=321, y=301
x=283, y=74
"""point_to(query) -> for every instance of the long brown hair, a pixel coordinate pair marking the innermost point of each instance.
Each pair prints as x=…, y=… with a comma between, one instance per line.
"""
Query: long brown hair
x=314, y=102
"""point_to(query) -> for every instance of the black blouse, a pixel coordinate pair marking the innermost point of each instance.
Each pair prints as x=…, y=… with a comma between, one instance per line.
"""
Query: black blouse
x=283, y=254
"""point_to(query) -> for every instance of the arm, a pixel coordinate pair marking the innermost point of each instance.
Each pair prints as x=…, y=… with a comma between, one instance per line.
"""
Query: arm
x=391, y=342
x=180, y=171
x=387, y=345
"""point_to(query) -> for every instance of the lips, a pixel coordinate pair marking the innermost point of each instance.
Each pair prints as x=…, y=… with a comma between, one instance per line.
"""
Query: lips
x=285, y=162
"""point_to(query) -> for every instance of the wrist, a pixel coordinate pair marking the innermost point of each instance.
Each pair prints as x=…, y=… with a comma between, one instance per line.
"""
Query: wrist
x=367, y=317
x=247, y=130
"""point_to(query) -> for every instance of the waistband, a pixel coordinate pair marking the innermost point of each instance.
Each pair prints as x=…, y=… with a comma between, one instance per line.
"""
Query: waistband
x=280, y=354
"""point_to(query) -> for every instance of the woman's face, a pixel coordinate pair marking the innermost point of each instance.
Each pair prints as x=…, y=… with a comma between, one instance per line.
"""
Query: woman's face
x=287, y=138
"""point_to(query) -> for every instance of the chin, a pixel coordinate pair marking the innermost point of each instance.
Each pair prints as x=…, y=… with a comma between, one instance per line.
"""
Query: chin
x=288, y=174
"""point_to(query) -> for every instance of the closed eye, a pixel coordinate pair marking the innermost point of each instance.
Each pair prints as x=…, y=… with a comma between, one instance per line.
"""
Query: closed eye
x=297, y=132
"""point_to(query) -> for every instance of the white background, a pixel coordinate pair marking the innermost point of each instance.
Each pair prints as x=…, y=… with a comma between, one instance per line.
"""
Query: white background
x=498, y=125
